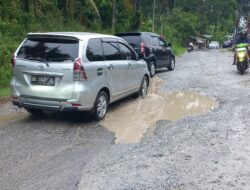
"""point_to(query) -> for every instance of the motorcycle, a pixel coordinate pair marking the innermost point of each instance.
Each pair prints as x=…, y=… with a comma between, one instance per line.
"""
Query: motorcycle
x=190, y=48
x=242, y=57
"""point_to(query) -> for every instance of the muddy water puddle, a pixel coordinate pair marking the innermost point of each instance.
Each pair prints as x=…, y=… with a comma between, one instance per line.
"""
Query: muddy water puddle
x=12, y=117
x=131, y=119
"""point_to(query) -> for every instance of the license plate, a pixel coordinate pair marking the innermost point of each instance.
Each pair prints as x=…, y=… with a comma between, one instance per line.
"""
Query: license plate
x=43, y=80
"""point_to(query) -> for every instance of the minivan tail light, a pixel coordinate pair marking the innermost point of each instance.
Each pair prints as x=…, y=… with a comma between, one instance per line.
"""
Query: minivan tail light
x=79, y=72
x=143, y=48
x=13, y=60
x=76, y=105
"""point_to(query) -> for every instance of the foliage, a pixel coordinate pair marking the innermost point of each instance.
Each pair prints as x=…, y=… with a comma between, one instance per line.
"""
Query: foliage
x=136, y=21
x=4, y=92
x=174, y=19
x=181, y=25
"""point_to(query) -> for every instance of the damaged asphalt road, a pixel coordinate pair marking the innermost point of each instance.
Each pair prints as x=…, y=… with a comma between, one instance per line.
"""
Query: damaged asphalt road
x=206, y=151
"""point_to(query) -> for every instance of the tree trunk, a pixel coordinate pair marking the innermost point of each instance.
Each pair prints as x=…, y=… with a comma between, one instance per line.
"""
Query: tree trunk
x=62, y=6
x=70, y=9
x=135, y=4
x=26, y=5
x=153, y=24
x=35, y=7
x=113, y=15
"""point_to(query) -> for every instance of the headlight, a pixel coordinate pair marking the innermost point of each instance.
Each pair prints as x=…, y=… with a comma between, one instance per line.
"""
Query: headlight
x=241, y=54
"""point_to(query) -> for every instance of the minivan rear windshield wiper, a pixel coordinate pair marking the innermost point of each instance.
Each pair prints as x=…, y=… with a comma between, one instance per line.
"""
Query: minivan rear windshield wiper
x=38, y=59
x=60, y=59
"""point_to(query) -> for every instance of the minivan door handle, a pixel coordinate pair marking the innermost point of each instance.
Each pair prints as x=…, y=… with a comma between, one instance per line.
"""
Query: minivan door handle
x=99, y=71
x=110, y=67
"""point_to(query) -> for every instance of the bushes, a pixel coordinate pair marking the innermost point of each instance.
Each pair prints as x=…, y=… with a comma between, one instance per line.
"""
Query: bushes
x=181, y=25
x=7, y=46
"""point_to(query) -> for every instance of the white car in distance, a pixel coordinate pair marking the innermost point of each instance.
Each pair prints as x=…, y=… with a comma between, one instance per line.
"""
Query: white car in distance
x=214, y=45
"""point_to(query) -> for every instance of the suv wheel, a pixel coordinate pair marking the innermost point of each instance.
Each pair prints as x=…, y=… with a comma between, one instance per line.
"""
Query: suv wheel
x=152, y=69
x=144, y=87
x=172, y=64
x=101, y=106
x=34, y=111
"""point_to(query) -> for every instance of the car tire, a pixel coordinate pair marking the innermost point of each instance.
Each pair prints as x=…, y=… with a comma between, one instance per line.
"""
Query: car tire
x=101, y=106
x=144, y=87
x=171, y=67
x=152, y=68
x=35, y=111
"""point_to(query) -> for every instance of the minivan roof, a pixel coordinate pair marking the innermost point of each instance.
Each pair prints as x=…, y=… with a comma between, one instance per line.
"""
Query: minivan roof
x=78, y=35
x=137, y=33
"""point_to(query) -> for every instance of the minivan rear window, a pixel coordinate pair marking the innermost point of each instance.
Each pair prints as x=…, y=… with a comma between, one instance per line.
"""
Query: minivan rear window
x=94, y=50
x=49, y=49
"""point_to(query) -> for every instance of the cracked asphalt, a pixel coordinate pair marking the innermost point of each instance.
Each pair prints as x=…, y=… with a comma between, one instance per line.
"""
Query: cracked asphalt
x=70, y=151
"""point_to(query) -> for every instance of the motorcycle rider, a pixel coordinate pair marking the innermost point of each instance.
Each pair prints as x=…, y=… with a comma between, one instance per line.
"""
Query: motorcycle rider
x=191, y=45
x=241, y=39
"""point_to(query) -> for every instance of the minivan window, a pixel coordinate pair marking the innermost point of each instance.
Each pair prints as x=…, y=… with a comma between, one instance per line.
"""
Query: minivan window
x=126, y=53
x=155, y=41
x=94, y=50
x=49, y=49
x=111, y=51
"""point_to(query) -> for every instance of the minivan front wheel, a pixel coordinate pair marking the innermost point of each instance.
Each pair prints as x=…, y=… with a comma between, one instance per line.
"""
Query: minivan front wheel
x=144, y=87
x=101, y=106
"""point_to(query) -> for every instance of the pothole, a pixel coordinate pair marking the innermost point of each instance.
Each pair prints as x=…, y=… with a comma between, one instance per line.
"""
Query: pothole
x=12, y=117
x=130, y=120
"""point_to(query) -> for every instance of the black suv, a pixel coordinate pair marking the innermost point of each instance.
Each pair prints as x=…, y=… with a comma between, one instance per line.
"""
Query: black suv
x=157, y=53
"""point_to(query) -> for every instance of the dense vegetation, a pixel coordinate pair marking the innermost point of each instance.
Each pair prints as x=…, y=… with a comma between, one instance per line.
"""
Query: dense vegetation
x=176, y=20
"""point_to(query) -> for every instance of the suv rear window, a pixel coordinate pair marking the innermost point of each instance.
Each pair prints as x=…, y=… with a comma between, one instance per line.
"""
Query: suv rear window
x=133, y=40
x=49, y=49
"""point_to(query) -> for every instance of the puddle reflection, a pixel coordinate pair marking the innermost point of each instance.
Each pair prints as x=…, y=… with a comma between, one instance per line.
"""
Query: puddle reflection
x=130, y=120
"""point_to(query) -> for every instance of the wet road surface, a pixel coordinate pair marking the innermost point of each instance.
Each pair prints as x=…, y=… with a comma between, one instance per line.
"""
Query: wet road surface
x=195, y=135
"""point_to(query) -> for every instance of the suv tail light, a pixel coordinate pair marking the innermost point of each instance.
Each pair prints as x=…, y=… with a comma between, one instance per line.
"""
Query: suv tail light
x=143, y=48
x=79, y=72
x=13, y=60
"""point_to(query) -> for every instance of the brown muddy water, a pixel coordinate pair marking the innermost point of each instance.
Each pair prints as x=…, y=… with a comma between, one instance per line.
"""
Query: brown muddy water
x=13, y=117
x=131, y=119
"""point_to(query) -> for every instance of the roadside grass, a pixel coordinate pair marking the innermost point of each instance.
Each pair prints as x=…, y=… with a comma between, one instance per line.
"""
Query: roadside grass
x=230, y=49
x=178, y=49
x=4, y=92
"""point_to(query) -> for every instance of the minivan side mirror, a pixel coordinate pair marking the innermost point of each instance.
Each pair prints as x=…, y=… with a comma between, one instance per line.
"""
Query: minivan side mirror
x=140, y=56
x=170, y=44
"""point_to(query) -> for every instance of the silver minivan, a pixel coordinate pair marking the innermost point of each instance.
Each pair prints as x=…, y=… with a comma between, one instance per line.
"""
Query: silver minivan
x=70, y=71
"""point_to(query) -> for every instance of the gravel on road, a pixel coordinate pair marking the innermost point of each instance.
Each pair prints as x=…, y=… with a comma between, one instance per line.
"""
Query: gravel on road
x=206, y=151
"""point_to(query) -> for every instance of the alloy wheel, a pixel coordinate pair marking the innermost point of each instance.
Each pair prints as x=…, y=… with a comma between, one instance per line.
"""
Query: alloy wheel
x=101, y=106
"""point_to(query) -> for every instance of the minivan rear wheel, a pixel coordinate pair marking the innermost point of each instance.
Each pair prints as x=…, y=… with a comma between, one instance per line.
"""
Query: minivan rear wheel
x=144, y=87
x=101, y=106
x=34, y=111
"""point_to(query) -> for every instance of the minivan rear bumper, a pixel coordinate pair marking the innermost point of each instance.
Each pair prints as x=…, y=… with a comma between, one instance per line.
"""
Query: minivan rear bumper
x=48, y=104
